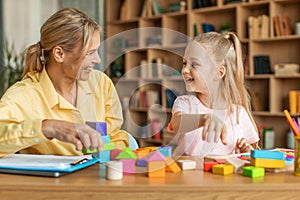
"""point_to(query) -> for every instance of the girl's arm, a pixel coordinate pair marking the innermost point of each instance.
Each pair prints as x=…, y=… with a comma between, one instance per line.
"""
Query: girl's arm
x=213, y=127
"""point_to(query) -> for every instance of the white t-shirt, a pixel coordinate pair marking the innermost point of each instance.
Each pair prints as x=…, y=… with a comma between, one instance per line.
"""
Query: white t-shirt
x=191, y=143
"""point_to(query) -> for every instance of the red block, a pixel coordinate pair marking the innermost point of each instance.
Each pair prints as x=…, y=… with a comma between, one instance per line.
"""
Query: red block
x=208, y=166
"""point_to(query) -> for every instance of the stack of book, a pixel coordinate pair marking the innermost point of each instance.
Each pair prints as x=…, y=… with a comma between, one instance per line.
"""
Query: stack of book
x=258, y=27
x=282, y=25
x=262, y=64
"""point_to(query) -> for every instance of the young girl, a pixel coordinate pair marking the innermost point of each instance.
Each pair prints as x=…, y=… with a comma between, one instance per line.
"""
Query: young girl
x=219, y=106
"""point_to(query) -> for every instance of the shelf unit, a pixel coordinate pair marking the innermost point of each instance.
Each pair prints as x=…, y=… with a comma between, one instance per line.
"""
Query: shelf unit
x=146, y=38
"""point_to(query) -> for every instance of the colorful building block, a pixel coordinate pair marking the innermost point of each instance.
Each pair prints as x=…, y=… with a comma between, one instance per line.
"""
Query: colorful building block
x=142, y=152
x=155, y=156
x=101, y=127
x=108, y=146
x=165, y=150
x=266, y=163
x=114, y=153
x=223, y=169
x=141, y=162
x=237, y=163
x=128, y=166
x=114, y=170
x=208, y=166
x=171, y=165
x=127, y=153
x=156, y=169
x=104, y=156
x=186, y=164
x=253, y=172
x=267, y=154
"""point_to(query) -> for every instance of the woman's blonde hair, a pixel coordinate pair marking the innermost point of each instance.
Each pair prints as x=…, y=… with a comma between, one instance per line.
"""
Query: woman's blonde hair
x=226, y=49
x=66, y=28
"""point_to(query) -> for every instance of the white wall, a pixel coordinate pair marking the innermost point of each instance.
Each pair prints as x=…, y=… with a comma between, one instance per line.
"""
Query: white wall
x=22, y=20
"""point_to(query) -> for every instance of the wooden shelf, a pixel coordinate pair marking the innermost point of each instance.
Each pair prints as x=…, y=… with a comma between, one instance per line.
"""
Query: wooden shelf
x=156, y=40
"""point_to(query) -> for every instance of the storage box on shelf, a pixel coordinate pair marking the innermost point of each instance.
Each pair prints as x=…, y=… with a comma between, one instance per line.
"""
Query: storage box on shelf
x=161, y=38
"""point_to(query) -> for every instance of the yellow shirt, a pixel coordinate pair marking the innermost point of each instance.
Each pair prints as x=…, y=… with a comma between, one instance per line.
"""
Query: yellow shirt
x=28, y=102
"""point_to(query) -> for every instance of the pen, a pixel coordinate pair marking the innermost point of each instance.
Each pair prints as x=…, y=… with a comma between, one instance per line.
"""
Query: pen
x=81, y=161
x=291, y=123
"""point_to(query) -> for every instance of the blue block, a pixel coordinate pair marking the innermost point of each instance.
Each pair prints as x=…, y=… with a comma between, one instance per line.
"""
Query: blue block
x=141, y=163
x=165, y=150
x=104, y=156
x=267, y=154
x=105, y=139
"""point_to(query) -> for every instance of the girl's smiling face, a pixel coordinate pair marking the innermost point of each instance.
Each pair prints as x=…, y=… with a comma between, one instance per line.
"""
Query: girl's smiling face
x=198, y=70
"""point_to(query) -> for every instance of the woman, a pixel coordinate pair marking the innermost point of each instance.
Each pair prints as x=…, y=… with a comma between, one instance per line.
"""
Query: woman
x=46, y=112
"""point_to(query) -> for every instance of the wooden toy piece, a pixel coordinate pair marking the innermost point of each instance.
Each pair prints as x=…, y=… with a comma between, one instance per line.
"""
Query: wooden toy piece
x=108, y=146
x=101, y=127
x=223, y=169
x=128, y=166
x=114, y=153
x=151, y=148
x=156, y=169
x=141, y=162
x=266, y=163
x=155, y=156
x=186, y=164
x=165, y=150
x=267, y=154
x=220, y=160
x=208, y=166
x=105, y=139
x=104, y=156
x=253, y=172
x=127, y=154
x=237, y=163
x=171, y=165
x=142, y=152
x=114, y=170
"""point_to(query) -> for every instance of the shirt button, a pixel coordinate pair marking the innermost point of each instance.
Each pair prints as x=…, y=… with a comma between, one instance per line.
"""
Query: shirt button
x=31, y=132
x=36, y=140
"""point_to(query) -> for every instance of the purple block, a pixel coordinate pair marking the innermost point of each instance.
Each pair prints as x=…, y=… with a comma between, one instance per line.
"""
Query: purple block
x=141, y=163
x=101, y=127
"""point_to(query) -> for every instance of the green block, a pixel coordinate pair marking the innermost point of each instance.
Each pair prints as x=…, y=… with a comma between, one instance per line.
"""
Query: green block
x=109, y=146
x=88, y=151
x=253, y=172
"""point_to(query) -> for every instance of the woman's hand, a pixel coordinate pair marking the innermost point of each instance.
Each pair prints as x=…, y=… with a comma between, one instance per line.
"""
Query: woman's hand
x=242, y=146
x=81, y=135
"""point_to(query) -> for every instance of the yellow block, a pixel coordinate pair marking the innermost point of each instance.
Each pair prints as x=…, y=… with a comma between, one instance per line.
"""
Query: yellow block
x=267, y=163
x=156, y=169
x=172, y=165
x=223, y=169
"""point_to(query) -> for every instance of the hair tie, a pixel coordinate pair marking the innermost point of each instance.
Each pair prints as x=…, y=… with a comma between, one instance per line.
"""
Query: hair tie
x=42, y=57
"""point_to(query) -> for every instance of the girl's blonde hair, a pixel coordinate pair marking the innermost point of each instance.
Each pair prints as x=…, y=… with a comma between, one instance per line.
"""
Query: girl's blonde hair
x=226, y=50
x=66, y=28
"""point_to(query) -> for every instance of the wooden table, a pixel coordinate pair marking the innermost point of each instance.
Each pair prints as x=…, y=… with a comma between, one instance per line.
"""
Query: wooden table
x=90, y=183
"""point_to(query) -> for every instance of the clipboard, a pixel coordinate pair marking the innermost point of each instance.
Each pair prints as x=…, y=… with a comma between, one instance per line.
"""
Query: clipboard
x=44, y=165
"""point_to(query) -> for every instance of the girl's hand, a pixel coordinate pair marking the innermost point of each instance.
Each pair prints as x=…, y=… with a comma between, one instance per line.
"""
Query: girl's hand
x=213, y=129
x=242, y=146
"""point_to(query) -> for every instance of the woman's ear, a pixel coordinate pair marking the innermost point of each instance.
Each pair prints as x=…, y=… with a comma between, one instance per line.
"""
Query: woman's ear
x=221, y=71
x=58, y=54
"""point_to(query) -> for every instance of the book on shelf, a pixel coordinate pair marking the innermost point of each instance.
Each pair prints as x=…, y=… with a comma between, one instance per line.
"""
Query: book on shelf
x=294, y=101
x=171, y=95
x=156, y=7
x=156, y=129
x=282, y=25
x=262, y=64
x=258, y=27
x=203, y=3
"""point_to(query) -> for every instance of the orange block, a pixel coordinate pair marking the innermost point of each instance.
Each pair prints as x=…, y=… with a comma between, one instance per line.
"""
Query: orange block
x=156, y=169
x=172, y=165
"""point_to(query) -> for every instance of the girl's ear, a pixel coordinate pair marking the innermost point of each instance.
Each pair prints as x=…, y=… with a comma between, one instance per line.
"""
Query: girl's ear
x=221, y=71
x=58, y=54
